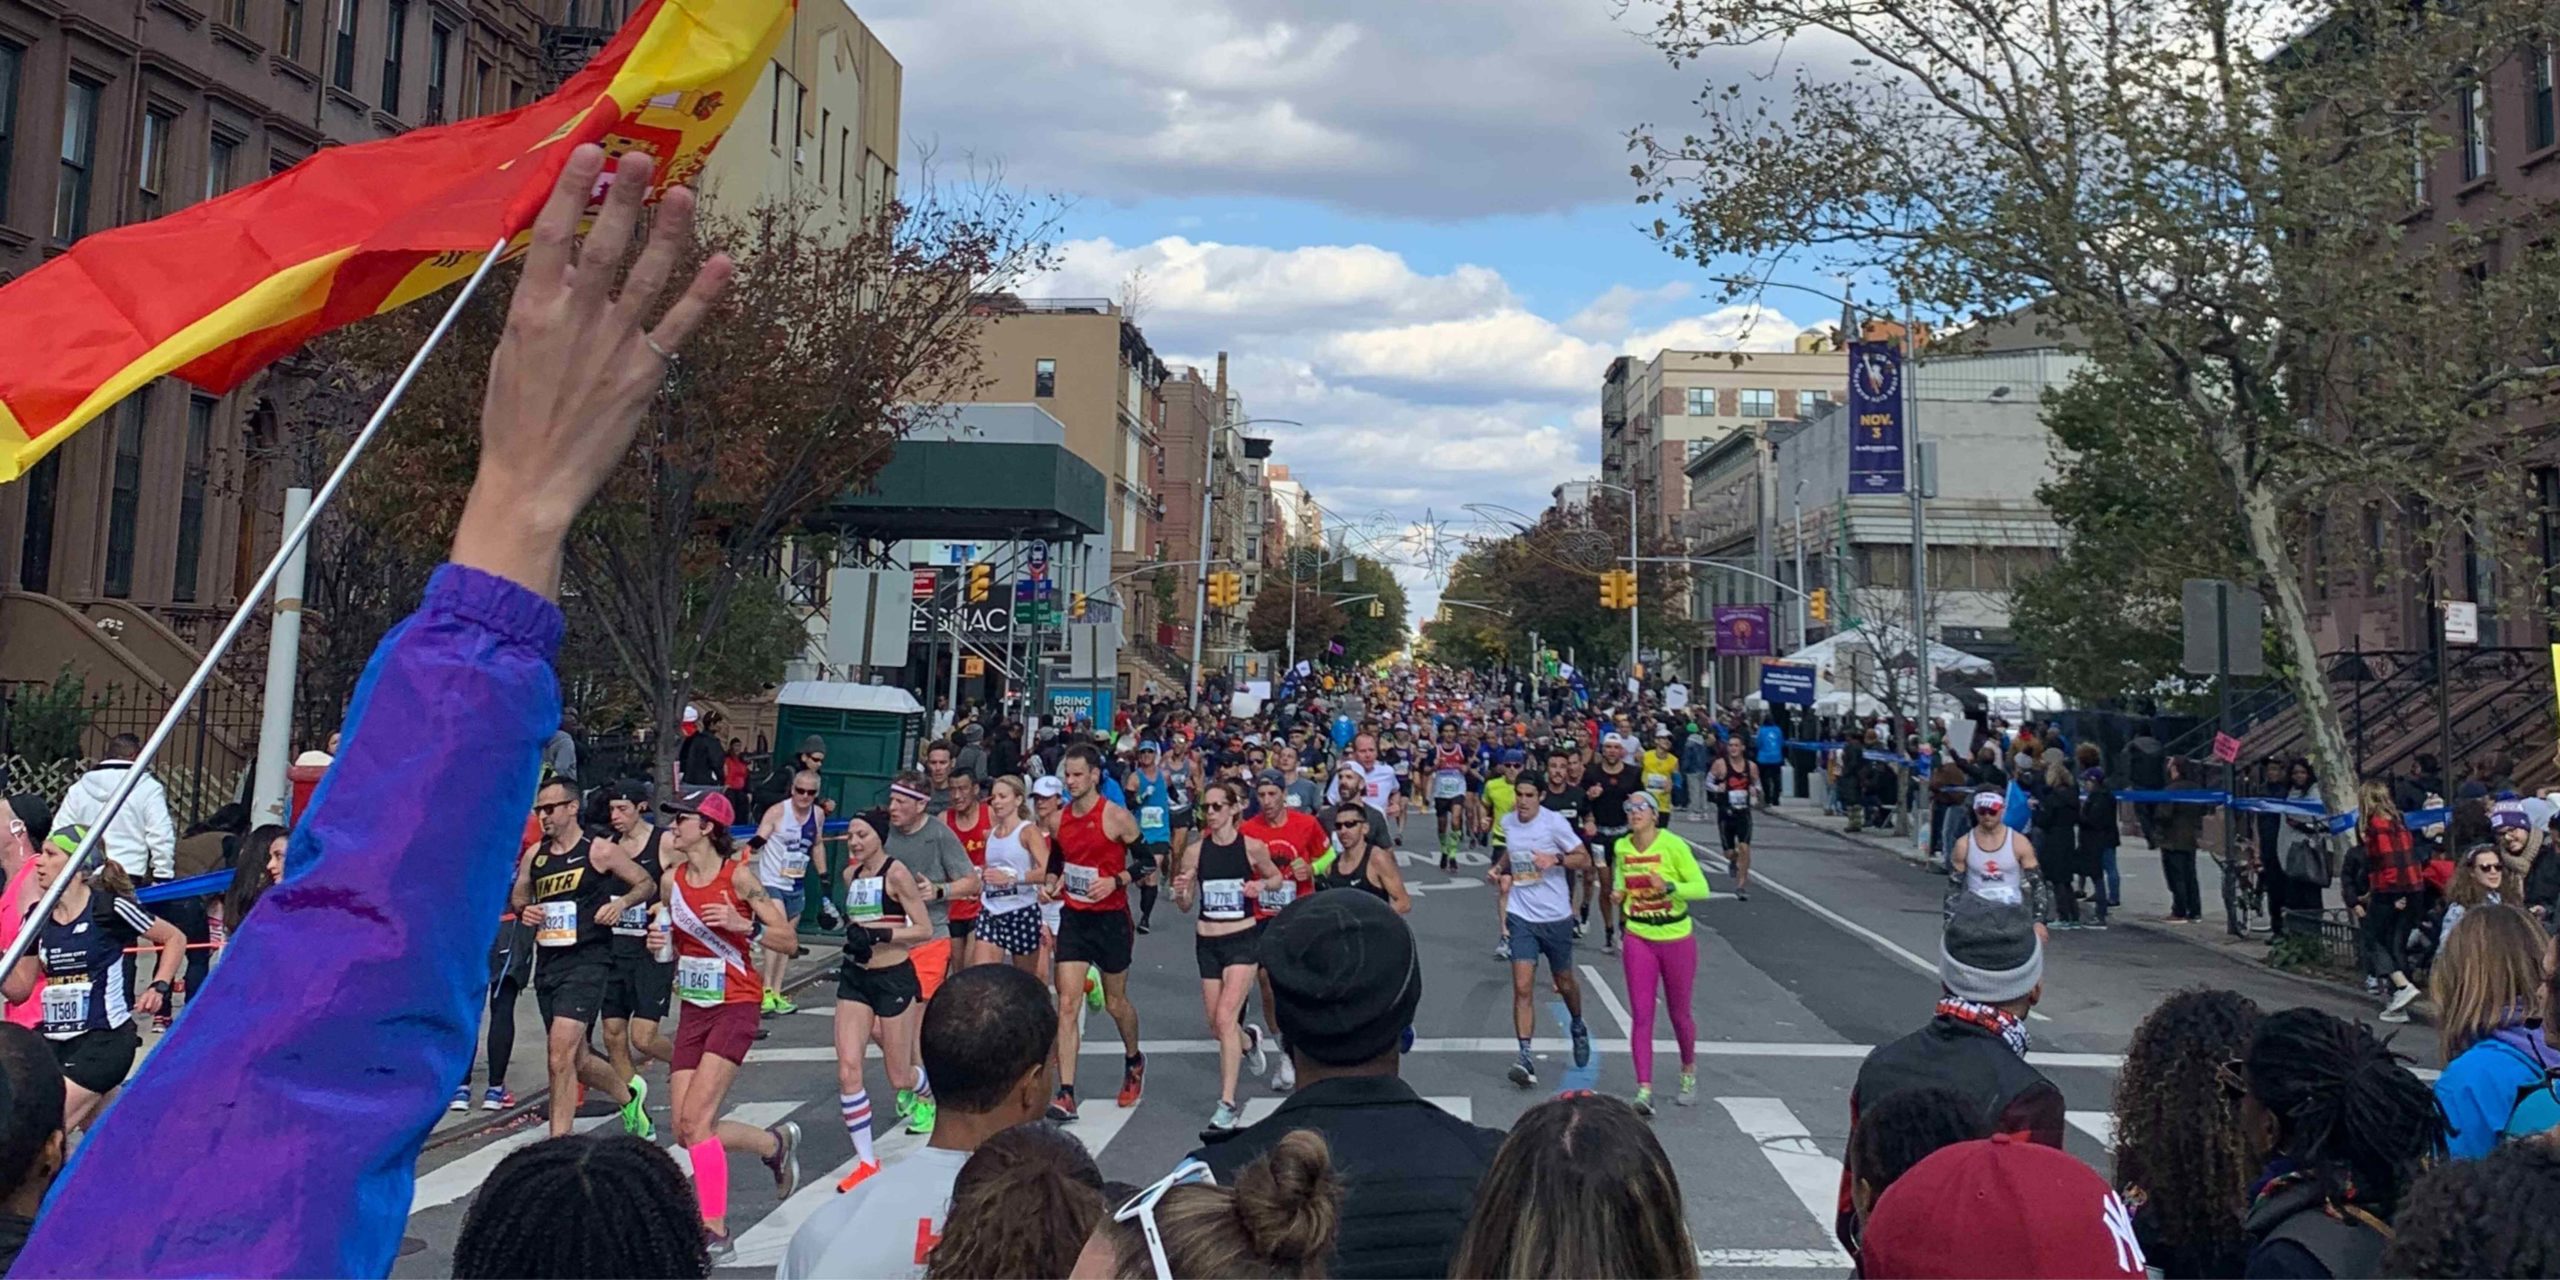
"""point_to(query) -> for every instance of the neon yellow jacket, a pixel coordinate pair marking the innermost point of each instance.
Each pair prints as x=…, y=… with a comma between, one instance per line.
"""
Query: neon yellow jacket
x=1659, y=916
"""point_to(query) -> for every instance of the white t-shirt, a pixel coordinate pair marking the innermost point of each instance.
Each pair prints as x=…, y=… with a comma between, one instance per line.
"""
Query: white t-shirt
x=1539, y=897
x=1380, y=783
x=884, y=1227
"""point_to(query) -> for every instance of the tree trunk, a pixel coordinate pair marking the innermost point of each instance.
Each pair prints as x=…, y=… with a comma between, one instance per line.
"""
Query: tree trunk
x=2331, y=761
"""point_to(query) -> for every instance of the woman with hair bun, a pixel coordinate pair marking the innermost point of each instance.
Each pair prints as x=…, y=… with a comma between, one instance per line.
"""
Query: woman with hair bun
x=1277, y=1223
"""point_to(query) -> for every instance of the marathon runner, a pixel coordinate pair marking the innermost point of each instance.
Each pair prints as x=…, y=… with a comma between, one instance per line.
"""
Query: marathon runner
x=885, y=919
x=1296, y=841
x=1732, y=779
x=1092, y=855
x=787, y=843
x=1182, y=780
x=87, y=1006
x=711, y=910
x=564, y=890
x=1229, y=873
x=1500, y=797
x=1995, y=862
x=1151, y=796
x=635, y=1001
x=1607, y=789
x=1657, y=879
x=1354, y=863
x=1449, y=794
x=942, y=873
x=968, y=817
x=1016, y=867
x=1542, y=845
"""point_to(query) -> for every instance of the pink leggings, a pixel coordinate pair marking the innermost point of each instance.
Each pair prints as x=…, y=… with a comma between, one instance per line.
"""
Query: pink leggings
x=1676, y=964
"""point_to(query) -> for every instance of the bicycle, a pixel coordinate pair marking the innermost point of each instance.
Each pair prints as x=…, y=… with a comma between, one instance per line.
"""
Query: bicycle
x=2240, y=898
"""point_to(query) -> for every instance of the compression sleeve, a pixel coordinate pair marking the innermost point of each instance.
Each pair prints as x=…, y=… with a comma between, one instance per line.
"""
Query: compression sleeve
x=326, y=1044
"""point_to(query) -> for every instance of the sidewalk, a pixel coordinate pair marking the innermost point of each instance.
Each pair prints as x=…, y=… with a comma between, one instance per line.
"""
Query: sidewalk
x=2145, y=893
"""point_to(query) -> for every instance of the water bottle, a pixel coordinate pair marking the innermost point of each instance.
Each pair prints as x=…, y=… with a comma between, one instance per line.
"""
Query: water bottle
x=666, y=948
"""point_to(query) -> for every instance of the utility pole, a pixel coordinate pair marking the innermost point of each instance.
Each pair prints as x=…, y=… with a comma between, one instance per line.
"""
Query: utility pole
x=1922, y=667
x=1200, y=579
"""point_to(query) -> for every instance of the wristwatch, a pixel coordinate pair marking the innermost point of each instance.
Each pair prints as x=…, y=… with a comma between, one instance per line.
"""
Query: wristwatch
x=163, y=988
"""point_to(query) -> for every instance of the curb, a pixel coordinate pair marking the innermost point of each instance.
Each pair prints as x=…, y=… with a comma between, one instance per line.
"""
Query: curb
x=2200, y=941
x=537, y=1101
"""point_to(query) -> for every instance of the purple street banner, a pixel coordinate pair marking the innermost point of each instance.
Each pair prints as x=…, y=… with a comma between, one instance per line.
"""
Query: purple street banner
x=1875, y=418
x=1743, y=631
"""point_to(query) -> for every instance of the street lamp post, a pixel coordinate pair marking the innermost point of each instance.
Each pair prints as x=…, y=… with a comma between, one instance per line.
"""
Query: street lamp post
x=1635, y=650
x=1200, y=578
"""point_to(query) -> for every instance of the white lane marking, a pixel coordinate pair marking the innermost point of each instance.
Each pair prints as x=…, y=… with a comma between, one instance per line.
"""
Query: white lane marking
x=754, y=1115
x=1596, y=981
x=1813, y=1176
x=2097, y=1124
x=1773, y=1259
x=1506, y=1046
x=1257, y=1110
x=762, y=1246
x=451, y=1182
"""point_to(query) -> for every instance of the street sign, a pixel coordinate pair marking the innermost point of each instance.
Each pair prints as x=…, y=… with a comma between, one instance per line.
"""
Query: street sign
x=2461, y=622
x=1875, y=419
x=1037, y=554
x=1787, y=683
x=962, y=552
x=926, y=581
x=1743, y=631
x=2226, y=748
x=2216, y=621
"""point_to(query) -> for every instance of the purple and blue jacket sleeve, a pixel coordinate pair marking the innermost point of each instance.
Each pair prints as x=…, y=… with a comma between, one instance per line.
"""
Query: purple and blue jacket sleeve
x=276, y=1129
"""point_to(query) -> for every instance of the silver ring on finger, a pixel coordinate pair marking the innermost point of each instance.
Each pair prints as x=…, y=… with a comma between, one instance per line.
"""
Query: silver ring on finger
x=663, y=353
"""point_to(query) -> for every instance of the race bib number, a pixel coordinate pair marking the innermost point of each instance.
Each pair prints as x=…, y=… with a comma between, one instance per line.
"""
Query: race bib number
x=66, y=1004
x=1274, y=899
x=795, y=863
x=1448, y=786
x=1297, y=801
x=559, y=927
x=1524, y=867
x=1222, y=899
x=1151, y=816
x=1657, y=782
x=702, y=980
x=1081, y=879
x=863, y=897
x=634, y=921
x=1735, y=798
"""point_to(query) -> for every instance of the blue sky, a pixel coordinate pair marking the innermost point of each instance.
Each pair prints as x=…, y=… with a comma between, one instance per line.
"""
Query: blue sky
x=1410, y=226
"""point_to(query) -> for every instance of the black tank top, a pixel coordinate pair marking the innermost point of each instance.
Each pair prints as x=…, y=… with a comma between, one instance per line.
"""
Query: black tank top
x=1224, y=867
x=1337, y=877
x=630, y=933
x=569, y=878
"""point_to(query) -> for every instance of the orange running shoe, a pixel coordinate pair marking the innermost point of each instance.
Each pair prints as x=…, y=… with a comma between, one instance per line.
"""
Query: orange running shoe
x=1134, y=1081
x=860, y=1172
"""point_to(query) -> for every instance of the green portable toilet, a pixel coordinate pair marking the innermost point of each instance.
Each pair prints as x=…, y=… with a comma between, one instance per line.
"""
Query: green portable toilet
x=872, y=731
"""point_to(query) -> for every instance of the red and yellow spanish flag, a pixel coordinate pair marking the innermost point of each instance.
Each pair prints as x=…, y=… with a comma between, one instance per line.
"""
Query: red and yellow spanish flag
x=216, y=291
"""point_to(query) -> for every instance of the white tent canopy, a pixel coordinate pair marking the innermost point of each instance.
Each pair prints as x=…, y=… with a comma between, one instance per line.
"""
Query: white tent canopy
x=1874, y=642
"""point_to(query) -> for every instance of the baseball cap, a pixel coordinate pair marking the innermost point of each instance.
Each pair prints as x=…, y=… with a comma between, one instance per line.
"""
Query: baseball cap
x=710, y=805
x=1048, y=787
x=1999, y=1207
x=1146, y=748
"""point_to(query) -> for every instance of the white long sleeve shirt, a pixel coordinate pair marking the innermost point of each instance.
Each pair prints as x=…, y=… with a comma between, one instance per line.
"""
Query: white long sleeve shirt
x=142, y=839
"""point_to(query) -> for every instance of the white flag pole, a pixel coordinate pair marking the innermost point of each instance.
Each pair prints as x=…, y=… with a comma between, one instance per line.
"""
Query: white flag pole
x=293, y=540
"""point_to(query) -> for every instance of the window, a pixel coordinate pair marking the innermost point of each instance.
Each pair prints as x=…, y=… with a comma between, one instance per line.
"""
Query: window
x=342, y=71
x=843, y=138
x=2544, y=128
x=799, y=107
x=235, y=13
x=1815, y=402
x=289, y=30
x=826, y=125
x=124, y=497
x=219, y=156
x=35, y=549
x=439, y=53
x=152, y=175
x=2474, y=120
x=773, y=118
x=10, y=56
x=2417, y=164
x=191, y=499
x=1044, y=378
x=1702, y=402
x=395, y=33
x=79, y=155
x=480, y=88
x=1759, y=402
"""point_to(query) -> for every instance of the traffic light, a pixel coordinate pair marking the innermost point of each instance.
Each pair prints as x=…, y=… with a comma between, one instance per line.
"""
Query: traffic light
x=1377, y=608
x=1819, y=604
x=1617, y=589
x=982, y=579
x=1075, y=606
x=1226, y=589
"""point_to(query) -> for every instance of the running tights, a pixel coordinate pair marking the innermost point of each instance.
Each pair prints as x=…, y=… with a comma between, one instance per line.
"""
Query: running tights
x=1147, y=902
x=1676, y=965
x=502, y=1029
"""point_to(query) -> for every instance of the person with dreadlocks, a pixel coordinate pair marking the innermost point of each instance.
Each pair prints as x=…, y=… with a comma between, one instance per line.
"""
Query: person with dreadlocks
x=2182, y=1165
x=579, y=1206
x=2340, y=1128
x=80, y=954
x=2498, y=1216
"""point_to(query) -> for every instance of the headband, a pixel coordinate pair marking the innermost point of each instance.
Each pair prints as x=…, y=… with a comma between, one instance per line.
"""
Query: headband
x=902, y=789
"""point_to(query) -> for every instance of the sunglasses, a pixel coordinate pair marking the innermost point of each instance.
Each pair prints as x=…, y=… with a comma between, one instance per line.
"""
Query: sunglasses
x=2490, y=869
x=545, y=809
x=1142, y=1207
x=1216, y=806
x=1351, y=824
x=804, y=791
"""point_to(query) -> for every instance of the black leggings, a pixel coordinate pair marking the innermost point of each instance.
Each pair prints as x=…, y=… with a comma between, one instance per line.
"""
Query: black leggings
x=2066, y=902
x=2386, y=929
x=502, y=1029
x=2178, y=867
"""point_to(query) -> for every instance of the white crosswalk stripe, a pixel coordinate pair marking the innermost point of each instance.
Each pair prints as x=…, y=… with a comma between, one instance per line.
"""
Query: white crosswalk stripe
x=1813, y=1176
x=2097, y=1124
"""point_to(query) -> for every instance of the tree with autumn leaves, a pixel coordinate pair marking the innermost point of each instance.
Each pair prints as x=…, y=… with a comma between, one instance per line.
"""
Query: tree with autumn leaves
x=830, y=347
x=1545, y=578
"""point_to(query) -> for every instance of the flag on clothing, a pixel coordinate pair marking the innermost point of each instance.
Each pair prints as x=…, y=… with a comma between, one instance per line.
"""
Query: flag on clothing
x=217, y=291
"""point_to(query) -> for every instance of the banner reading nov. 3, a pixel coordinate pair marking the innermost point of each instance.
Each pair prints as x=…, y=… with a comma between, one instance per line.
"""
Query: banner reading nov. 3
x=218, y=290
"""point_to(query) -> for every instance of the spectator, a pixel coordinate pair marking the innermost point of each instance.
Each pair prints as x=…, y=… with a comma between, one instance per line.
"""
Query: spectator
x=32, y=1142
x=2479, y=880
x=1278, y=1217
x=1999, y=1206
x=581, y=1206
x=560, y=754
x=733, y=777
x=812, y=757
x=1581, y=1188
x=986, y=1043
x=2384, y=887
x=698, y=757
x=1023, y=1206
x=972, y=759
x=1991, y=969
x=1901, y=1131
x=2339, y=1128
x=142, y=840
x=2488, y=983
x=2056, y=830
x=2099, y=837
x=2146, y=767
x=2181, y=1161
x=259, y=869
x=2494, y=1217
x=2177, y=830
x=1345, y=980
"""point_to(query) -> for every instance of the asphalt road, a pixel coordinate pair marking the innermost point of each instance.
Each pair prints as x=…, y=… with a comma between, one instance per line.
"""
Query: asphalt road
x=1834, y=953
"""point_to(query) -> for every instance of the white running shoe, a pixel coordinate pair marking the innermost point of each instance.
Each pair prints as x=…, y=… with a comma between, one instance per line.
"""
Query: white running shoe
x=1255, y=1056
x=1285, y=1077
